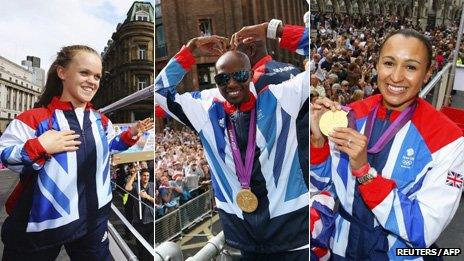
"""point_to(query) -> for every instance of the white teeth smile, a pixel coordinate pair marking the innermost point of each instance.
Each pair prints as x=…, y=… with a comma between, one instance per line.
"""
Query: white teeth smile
x=87, y=89
x=235, y=93
x=396, y=89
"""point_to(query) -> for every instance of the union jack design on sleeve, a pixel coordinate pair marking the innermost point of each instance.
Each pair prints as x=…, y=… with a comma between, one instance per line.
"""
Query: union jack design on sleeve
x=454, y=179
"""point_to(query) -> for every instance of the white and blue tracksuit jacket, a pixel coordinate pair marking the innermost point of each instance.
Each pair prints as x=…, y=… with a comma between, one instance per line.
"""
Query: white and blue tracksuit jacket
x=281, y=221
x=62, y=196
x=414, y=197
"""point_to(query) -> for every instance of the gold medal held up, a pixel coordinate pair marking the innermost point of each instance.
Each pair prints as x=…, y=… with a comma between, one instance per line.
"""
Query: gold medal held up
x=330, y=120
x=246, y=200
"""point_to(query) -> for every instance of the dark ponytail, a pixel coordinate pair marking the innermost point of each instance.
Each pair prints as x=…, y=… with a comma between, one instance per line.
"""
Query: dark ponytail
x=54, y=85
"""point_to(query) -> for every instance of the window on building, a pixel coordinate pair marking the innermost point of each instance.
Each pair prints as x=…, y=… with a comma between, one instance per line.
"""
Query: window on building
x=14, y=99
x=142, y=81
x=142, y=16
x=142, y=52
x=158, y=9
x=8, y=98
x=160, y=42
x=20, y=96
x=206, y=74
x=205, y=26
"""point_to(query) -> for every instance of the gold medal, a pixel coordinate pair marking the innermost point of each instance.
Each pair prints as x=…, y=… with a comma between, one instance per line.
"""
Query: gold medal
x=330, y=120
x=246, y=200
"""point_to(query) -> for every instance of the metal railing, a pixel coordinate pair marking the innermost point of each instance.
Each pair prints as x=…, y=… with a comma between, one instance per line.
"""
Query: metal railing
x=133, y=230
x=212, y=249
x=120, y=250
x=129, y=255
x=123, y=247
x=133, y=98
x=129, y=194
x=169, y=251
x=438, y=85
x=185, y=216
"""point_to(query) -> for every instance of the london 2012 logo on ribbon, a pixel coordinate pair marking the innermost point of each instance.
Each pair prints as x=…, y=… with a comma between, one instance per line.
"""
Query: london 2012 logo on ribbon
x=454, y=179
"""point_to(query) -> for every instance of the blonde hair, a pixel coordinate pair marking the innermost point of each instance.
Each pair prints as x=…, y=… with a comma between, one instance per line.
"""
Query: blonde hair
x=357, y=95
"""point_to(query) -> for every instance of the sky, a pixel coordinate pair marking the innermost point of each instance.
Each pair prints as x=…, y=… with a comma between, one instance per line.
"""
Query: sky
x=40, y=28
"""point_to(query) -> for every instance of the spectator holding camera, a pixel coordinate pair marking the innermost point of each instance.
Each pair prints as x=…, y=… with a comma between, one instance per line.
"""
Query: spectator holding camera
x=167, y=196
x=179, y=187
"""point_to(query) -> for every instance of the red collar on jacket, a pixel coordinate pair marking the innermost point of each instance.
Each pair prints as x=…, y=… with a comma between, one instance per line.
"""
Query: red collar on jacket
x=56, y=104
x=260, y=67
x=382, y=113
x=244, y=107
x=261, y=62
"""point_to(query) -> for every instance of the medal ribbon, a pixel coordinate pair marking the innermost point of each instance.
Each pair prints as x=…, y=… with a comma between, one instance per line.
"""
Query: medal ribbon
x=391, y=131
x=350, y=116
x=243, y=170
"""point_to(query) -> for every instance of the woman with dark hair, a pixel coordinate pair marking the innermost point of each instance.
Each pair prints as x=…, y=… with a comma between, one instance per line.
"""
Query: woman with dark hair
x=61, y=150
x=396, y=170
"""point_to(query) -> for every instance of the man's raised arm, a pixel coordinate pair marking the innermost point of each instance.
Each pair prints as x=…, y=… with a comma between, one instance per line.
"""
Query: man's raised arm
x=186, y=108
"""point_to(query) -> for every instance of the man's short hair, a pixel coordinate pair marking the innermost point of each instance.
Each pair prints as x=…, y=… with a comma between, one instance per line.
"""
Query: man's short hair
x=237, y=54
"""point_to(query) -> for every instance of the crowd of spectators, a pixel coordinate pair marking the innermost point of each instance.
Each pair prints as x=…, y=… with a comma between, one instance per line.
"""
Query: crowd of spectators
x=181, y=170
x=345, y=49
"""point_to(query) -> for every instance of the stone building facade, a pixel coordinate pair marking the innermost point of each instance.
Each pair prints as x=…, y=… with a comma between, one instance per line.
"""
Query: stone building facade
x=20, y=88
x=128, y=64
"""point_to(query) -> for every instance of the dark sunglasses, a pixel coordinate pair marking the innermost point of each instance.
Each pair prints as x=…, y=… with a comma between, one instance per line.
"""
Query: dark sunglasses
x=223, y=79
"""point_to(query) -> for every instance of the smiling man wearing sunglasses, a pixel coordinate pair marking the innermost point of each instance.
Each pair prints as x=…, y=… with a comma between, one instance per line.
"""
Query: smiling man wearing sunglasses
x=233, y=78
x=249, y=140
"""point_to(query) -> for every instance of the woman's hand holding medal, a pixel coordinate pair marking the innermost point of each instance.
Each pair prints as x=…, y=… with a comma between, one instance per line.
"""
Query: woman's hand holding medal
x=352, y=143
x=333, y=124
x=317, y=109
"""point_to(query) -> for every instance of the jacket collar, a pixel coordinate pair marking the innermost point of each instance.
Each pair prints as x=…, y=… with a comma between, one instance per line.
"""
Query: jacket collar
x=244, y=107
x=57, y=104
x=261, y=62
x=383, y=111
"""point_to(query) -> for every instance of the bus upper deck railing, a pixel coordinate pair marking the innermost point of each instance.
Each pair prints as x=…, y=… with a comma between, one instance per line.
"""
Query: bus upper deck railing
x=129, y=255
x=437, y=87
x=172, y=224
